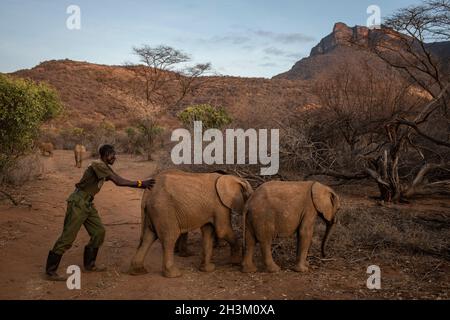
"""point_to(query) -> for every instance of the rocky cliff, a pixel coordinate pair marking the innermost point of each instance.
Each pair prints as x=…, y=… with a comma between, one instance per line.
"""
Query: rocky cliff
x=352, y=46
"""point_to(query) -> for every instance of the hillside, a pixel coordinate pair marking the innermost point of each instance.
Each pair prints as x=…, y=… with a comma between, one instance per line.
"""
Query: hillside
x=92, y=93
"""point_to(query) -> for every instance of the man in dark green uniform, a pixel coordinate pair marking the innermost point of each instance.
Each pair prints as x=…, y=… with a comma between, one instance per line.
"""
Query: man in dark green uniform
x=81, y=211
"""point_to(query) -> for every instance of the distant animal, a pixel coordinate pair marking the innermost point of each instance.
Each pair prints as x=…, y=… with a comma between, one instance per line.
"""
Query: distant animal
x=283, y=208
x=46, y=148
x=78, y=152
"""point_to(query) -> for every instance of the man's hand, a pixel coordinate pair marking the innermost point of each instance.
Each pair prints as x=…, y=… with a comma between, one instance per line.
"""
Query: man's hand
x=148, y=184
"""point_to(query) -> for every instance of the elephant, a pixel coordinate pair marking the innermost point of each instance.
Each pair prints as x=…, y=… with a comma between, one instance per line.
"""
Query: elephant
x=46, y=147
x=181, y=202
x=78, y=152
x=282, y=208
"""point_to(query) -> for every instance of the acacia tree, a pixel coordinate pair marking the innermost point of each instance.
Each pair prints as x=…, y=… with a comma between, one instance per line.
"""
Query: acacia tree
x=163, y=84
x=189, y=80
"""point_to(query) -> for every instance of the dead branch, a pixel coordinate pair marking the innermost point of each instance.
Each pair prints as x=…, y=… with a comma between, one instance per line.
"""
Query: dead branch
x=376, y=177
x=10, y=197
x=422, y=134
x=340, y=175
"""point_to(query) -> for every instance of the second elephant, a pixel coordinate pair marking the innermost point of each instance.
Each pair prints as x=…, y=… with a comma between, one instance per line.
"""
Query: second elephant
x=282, y=209
x=181, y=202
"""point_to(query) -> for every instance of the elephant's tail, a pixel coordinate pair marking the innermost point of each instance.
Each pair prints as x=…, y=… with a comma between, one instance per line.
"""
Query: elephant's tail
x=244, y=225
x=330, y=227
x=146, y=222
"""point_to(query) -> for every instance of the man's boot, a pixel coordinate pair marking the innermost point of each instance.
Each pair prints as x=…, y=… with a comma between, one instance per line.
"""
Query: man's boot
x=90, y=254
x=53, y=261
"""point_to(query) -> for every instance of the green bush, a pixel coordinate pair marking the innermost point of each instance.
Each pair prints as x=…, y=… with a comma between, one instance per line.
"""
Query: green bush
x=149, y=131
x=212, y=117
x=24, y=106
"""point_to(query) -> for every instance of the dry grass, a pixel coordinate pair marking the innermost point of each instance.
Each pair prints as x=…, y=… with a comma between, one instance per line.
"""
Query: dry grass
x=378, y=232
x=389, y=232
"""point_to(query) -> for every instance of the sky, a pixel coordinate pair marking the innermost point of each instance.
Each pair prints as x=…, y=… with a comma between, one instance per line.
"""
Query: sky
x=248, y=38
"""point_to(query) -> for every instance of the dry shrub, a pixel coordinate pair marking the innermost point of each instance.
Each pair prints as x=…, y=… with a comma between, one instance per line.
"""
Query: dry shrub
x=391, y=230
x=52, y=135
x=24, y=169
x=122, y=143
x=387, y=233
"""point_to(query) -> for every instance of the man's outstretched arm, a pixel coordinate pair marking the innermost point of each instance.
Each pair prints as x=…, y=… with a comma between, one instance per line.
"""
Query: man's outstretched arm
x=122, y=182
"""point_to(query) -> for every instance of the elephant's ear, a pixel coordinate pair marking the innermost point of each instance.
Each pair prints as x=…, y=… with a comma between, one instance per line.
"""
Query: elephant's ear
x=325, y=200
x=230, y=190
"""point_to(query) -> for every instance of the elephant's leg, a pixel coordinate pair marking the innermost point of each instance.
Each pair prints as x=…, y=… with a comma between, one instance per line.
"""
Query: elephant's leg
x=304, y=239
x=229, y=236
x=181, y=246
x=208, y=234
x=266, y=250
x=248, y=265
x=137, y=264
x=169, y=268
x=216, y=242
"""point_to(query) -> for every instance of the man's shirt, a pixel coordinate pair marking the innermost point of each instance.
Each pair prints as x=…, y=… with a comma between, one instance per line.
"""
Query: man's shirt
x=94, y=177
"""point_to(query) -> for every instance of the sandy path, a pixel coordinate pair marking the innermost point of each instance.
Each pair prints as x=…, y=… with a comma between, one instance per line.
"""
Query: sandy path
x=26, y=235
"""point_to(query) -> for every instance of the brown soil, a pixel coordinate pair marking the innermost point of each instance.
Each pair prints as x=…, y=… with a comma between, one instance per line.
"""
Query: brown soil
x=27, y=232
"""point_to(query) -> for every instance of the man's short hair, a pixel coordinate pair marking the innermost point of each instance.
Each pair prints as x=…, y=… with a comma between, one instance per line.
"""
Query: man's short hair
x=105, y=150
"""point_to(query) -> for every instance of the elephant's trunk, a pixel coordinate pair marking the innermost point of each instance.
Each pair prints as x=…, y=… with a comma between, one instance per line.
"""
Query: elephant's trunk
x=326, y=237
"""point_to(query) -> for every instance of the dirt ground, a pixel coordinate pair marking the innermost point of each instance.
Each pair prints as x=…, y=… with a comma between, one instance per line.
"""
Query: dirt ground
x=27, y=233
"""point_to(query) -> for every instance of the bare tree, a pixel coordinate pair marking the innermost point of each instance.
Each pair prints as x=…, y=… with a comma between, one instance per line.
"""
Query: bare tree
x=419, y=27
x=416, y=29
x=377, y=131
x=190, y=80
x=351, y=134
x=163, y=83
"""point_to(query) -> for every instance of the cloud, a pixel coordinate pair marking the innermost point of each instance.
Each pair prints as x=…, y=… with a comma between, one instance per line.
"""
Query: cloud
x=235, y=39
x=272, y=51
x=268, y=65
x=249, y=47
x=275, y=51
x=249, y=37
x=285, y=38
x=296, y=56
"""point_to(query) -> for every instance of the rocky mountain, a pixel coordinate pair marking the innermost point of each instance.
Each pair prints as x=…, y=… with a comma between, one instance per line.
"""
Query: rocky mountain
x=351, y=46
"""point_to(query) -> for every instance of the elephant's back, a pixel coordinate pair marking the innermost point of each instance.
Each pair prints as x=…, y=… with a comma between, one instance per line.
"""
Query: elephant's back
x=277, y=193
x=280, y=204
x=185, y=184
x=178, y=194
